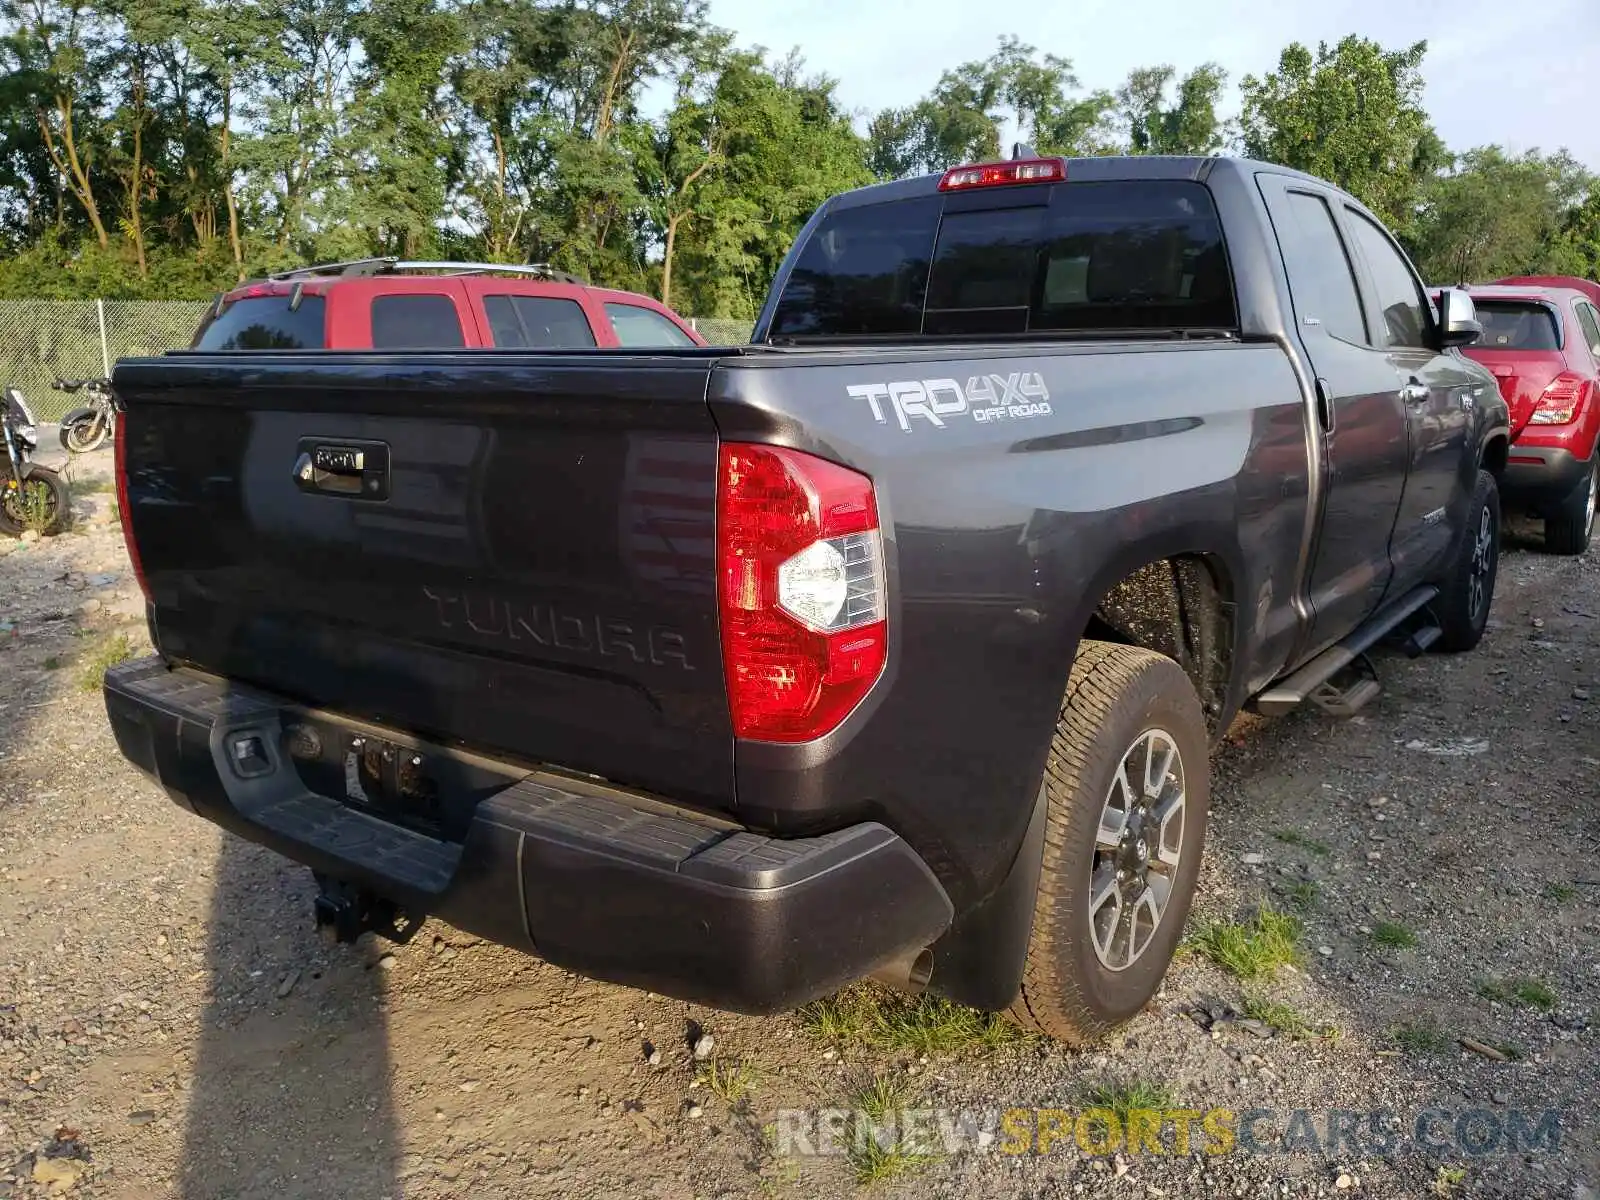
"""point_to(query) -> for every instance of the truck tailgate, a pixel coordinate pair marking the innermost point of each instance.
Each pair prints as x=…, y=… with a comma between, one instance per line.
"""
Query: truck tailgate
x=524, y=565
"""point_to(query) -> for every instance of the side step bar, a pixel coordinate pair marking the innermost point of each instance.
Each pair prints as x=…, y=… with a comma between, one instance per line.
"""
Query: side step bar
x=1289, y=693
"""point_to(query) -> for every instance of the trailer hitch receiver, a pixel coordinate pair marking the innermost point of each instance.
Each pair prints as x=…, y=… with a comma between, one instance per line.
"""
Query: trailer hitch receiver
x=344, y=911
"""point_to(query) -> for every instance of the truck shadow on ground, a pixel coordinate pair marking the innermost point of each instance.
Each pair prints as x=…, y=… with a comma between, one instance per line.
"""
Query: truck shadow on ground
x=295, y=1021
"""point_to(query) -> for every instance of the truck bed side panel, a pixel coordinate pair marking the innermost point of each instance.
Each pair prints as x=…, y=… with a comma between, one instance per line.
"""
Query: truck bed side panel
x=1007, y=528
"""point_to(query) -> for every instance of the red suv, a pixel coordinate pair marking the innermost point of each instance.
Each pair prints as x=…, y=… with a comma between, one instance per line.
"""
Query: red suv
x=386, y=304
x=1541, y=339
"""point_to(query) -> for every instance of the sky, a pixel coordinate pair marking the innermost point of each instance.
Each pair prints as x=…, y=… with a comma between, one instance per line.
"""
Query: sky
x=1515, y=72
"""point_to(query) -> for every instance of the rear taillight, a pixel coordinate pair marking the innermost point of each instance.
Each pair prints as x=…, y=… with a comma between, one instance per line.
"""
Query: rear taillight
x=1558, y=405
x=800, y=591
x=124, y=509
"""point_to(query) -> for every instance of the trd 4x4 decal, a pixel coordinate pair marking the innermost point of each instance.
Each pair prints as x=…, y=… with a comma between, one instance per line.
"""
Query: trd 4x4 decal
x=1013, y=397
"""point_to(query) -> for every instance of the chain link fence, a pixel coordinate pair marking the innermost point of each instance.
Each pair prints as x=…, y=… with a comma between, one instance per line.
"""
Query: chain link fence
x=723, y=331
x=41, y=340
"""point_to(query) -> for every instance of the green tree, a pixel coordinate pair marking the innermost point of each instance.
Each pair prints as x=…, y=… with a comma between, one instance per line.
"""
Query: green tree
x=1351, y=114
x=960, y=120
x=785, y=146
x=51, y=52
x=1191, y=125
x=1574, y=248
x=1496, y=214
x=399, y=135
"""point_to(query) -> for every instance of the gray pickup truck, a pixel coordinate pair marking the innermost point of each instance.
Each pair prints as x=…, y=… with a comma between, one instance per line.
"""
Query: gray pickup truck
x=892, y=644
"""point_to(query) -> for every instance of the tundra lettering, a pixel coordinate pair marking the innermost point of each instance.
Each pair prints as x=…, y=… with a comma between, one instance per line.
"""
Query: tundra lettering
x=544, y=625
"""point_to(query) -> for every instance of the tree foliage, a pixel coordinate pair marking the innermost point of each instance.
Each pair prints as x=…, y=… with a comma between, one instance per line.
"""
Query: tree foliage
x=1351, y=114
x=1495, y=215
x=1189, y=125
x=167, y=148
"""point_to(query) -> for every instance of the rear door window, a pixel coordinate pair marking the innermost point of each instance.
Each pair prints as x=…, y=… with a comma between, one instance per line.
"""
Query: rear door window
x=416, y=322
x=265, y=323
x=1508, y=325
x=1321, y=279
x=642, y=328
x=537, y=322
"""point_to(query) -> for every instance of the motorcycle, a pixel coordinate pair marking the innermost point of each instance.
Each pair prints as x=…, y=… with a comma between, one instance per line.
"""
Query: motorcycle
x=32, y=497
x=89, y=428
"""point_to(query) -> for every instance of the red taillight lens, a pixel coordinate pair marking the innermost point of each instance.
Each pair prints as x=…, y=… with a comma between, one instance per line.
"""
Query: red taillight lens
x=1558, y=405
x=124, y=509
x=1023, y=170
x=800, y=591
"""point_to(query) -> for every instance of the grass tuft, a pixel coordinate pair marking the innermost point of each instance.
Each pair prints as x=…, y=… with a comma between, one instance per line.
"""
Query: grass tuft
x=1392, y=935
x=1285, y=1018
x=1422, y=1037
x=729, y=1081
x=108, y=653
x=1520, y=993
x=1293, y=837
x=1302, y=894
x=1559, y=892
x=1449, y=1181
x=1124, y=1096
x=36, y=512
x=877, y=1019
x=1255, y=949
x=878, y=1148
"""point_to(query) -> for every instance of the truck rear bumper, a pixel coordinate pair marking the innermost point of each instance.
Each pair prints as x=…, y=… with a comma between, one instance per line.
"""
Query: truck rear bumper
x=607, y=883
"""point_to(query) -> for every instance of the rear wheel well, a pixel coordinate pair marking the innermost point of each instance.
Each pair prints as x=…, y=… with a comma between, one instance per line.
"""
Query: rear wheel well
x=1494, y=455
x=1181, y=607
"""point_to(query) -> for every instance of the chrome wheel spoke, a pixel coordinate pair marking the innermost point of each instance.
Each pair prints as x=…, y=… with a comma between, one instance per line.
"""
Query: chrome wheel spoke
x=1105, y=912
x=1169, y=830
x=1142, y=923
x=1156, y=768
x=1113, y=821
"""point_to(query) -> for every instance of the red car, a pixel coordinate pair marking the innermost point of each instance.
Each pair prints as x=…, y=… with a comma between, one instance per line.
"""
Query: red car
x=1541, y=339
x=386, y=304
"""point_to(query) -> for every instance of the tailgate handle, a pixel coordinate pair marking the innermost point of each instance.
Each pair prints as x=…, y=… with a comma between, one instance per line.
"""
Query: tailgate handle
x=358, y=470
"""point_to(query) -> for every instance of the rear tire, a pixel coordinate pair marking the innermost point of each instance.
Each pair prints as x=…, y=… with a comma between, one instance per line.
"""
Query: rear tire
x=1568, y=528
x=1125, y=708
x=1467, y=593
x=41, y=504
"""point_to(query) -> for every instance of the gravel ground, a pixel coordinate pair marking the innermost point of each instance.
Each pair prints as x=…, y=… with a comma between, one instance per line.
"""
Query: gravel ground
x=171, y=1026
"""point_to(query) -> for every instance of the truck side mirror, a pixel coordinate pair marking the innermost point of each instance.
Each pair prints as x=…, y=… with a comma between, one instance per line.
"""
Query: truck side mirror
x=1458, y=319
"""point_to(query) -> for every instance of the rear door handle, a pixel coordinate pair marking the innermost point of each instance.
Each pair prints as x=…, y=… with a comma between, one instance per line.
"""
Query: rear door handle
x=1415, y=393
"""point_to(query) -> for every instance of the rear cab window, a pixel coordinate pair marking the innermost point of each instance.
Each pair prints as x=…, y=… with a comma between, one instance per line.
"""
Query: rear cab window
x=1133, y=256
x=1517, y=325
x=269, y=322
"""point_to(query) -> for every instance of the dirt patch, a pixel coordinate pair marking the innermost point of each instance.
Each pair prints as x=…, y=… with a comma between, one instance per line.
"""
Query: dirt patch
x=164, y=1001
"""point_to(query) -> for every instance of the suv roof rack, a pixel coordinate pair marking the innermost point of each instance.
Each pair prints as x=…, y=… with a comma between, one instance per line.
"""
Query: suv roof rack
x=358, y=267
